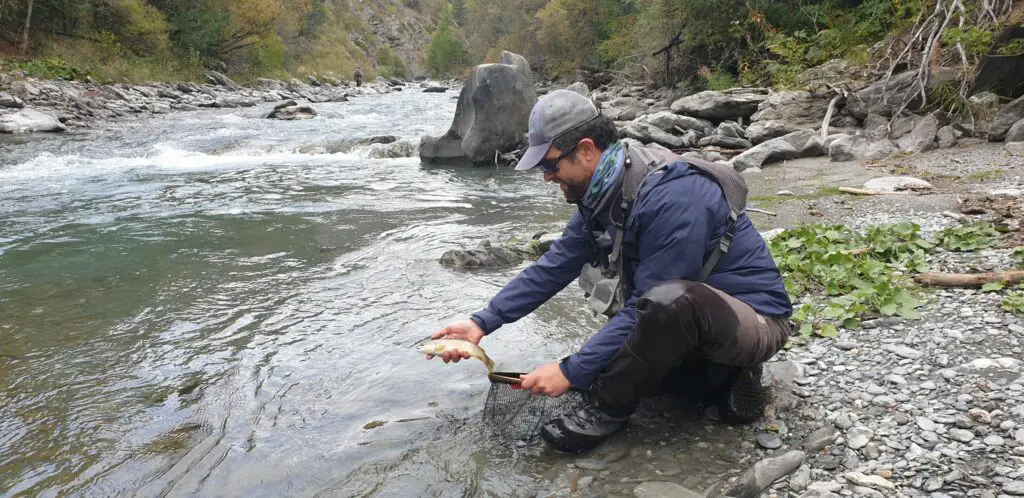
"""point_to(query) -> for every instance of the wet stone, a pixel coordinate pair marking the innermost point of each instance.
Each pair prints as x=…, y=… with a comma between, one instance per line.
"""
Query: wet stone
x=769, y=441
x=591, y=464
x=663, y=489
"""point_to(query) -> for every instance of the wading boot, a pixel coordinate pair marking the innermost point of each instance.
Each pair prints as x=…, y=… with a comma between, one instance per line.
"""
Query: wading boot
x=582, y=429
x=746, y=398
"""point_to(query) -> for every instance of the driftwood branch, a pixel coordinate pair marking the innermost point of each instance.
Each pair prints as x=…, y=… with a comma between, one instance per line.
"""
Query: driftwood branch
x=828, y=115
x=762, y=211
x=861, y=191
x=968, y=279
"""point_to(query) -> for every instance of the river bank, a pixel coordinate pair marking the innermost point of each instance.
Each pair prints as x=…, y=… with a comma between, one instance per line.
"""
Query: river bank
x=76, y=105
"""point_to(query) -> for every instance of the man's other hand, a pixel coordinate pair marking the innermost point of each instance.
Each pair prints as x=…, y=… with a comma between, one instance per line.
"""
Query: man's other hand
x=547, y=379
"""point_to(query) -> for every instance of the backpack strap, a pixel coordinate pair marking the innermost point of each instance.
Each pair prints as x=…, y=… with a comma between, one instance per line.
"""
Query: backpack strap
x=734, y=189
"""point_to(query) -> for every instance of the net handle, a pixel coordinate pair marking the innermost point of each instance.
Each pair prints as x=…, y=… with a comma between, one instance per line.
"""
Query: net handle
x=510, y=378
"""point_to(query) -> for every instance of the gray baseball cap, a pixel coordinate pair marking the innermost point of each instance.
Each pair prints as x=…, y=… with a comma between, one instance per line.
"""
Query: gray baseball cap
x=554, y=114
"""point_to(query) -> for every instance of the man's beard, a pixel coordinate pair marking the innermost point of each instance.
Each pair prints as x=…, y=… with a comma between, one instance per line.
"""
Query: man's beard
x=574, y=193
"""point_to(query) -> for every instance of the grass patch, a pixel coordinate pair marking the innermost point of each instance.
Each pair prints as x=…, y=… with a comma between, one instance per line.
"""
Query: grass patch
x=765, y=200
x=982, y=176
x=843, y=276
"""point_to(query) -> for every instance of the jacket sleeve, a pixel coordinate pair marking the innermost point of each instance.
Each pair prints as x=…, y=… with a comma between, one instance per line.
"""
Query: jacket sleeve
x=672, y=232
x=556, y=268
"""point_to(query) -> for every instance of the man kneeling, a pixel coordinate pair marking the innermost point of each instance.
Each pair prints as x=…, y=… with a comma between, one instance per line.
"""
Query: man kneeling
x=661, y=245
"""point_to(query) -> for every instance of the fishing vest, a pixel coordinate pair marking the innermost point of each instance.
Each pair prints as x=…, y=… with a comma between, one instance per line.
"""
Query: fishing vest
x=605, y=280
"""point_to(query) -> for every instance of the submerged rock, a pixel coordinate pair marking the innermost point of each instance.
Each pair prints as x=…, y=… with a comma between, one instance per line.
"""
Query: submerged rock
x=289, y=110
x=486, y=255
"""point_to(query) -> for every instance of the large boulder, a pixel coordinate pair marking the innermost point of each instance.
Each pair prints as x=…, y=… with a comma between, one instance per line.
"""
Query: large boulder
x=647, y=133
x=860, y=146
x=222, y=80
x=580, y=88
x=886, y=97
x=785, y=112
x=922, y=137
x=29, y=121
x=804, y=143
x=836, y=72
x=1016, y=133
x=1006, y=117
x=672, y=122
x=738, y=103
x=10, y=101
x=760, y=131
x=1002, y=74
x=491, y=115
x=797, y=107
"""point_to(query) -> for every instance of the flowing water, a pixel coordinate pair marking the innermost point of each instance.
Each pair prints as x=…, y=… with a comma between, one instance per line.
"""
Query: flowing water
x=210, y=303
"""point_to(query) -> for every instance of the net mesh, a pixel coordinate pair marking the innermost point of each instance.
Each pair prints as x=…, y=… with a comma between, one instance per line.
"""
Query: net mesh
x=511, y=413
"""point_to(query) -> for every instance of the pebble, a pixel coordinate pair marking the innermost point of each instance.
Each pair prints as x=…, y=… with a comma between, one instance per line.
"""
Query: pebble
x=961, y=435
x=902, y=351
x=994, y=440
x=925, y=424
x=820, y=439
x=1015, y=488
x=876, y=481
x=980, y=416
x=800, y=479
x=769, y=441
x=858, y=437
x=1019, y=435
x=933, y=483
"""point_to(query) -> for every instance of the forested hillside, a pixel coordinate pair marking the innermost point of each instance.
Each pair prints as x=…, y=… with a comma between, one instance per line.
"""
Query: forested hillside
x=717, y=43
x=169, y=39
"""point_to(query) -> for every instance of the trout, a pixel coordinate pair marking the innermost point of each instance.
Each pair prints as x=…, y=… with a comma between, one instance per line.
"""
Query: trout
x=438, y=347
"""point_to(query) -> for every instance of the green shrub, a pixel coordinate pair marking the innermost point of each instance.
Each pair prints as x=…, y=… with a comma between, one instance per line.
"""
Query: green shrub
x=389, y=64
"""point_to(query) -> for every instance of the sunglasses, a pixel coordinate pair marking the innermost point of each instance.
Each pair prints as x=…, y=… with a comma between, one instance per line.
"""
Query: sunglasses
x=550, y=166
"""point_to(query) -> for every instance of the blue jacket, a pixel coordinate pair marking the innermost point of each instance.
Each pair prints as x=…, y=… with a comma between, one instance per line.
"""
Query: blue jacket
x=676, y=222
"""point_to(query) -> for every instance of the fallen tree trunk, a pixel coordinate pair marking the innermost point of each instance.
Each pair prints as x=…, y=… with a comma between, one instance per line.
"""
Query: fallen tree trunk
x=968, y=279
x=861, y=191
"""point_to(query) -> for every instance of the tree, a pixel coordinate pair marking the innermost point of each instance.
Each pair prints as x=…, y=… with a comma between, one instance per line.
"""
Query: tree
x=446, y=52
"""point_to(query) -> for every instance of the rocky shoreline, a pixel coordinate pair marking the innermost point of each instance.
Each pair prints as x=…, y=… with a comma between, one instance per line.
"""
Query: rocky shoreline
x=928, y=407
x=30, y=105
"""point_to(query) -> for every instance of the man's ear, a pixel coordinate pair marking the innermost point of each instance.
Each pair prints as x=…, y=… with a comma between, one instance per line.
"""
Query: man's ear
x=588, y=148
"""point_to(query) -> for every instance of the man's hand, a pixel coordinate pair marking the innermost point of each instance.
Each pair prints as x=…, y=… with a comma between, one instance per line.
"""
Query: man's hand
x=465, y=329
x=547, y=379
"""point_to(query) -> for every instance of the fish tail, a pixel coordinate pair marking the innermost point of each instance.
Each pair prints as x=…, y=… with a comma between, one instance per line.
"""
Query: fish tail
x=490, y=364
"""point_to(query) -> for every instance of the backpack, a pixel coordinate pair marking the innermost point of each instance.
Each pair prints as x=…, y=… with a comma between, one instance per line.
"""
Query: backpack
x=608, y=288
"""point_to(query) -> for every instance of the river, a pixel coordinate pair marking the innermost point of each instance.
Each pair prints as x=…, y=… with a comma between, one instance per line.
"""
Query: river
x=190, y=306
x=210, y=303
